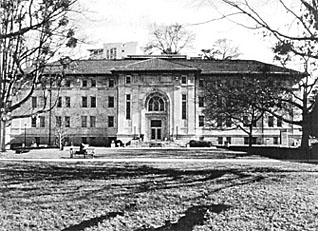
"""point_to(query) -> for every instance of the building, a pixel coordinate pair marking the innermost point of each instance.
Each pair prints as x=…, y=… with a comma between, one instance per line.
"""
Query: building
x=154, y=98
x=114, y=51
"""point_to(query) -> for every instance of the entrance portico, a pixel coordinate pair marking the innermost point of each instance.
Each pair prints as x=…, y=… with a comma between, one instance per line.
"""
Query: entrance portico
x=156, y=119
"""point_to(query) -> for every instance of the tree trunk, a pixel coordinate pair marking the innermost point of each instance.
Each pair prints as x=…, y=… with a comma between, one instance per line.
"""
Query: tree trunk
x=306, y=130
x=250, y=139
x=3, y=138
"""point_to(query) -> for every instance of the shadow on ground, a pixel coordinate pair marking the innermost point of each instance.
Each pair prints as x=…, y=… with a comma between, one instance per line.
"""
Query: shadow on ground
x=193, y=216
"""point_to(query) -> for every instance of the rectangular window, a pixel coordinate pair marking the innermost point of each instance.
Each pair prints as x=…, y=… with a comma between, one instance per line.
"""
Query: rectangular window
x=201, y=83
x=111, y=101
x=275, y=140
x=183, y=79
x=84, y=83
x=93, y=101
x=67, y=121
x=34, y=102
x=58, y=121
x=228, y=122
x=84, y=121
x=219, y=121
x=84, y=101
x=33, y=122
x=279, y=122
x=128, y=105
x=111, y=83
x=67, y=101
x=93, y=121
x=228, y=140
x=59, y=102
x=246, y=139
x=37, y=140
x=110, y=121
x=184, y=107
x=201, y=121
x=201, y=101
x=220, y=140
x=128, y=79
x=245, y=121
x=84, y=140
x=93, y=82
x=254, y=123
x=67, y=83
x=271, y=121
x=42, y=121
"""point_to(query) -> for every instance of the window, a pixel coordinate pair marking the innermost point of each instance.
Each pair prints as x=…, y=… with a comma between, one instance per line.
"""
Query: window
x=58, y=121
x=201, y=101
x=33, y=122
x=111, y=101
x=128, y=107
x=37, y=140
x=67, y=121
x=228, y=122
x=128, y=79
x=84, y=121
x=245, y=121
x=183, y=79
x=156, y=103
x=246, y=139
x=93, y=82
x=201, y=83
x=254, y=123
x=42, y=121
x=220, y=140
x=84, y=101
x=93, y=101
x=111, y=82
x=219, y=121
x=84, y=83
x=110, y=121
x=271, y=121
x=84, y=140
x=228, y=140
x=67, y=83
x=184, y=107
x=59, y=102
x=67, y=101
x=275, y=140
x=201, y=121
x=93, y=121
x=279, y=122
x=34, y=102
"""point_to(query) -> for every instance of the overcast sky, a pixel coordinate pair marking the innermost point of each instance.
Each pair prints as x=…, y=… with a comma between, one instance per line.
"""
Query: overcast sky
x=130, y=20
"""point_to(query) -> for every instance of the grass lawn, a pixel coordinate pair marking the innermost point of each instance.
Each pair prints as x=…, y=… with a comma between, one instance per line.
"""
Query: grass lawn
x=163, y=196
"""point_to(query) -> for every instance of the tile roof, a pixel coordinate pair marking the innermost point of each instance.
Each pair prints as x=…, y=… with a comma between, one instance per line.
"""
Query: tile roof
x=155, y=64
x=102, y=67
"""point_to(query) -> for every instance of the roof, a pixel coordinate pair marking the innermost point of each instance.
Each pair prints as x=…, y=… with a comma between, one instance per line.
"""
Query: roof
x=103, y=66
x=155, y=64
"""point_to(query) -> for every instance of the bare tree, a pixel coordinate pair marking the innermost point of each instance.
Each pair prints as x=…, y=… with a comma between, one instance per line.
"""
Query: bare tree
x=222, y=49
x=295, y=40
x=169, y=39
x=31, y=33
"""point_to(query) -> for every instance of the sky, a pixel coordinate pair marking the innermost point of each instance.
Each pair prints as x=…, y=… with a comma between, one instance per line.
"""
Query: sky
x=106, y=21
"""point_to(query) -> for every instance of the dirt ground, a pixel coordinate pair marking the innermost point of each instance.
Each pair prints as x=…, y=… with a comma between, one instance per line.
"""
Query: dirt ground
x=237, y=193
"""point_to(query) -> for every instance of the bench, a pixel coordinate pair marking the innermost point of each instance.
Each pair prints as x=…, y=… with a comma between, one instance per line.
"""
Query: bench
x=89, y=151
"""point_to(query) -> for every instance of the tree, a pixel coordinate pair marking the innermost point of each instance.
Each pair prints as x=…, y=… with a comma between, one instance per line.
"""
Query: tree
x=169, y=39
x=31, y=34
x=297, y=39
x=239, y=102
x=222, y=49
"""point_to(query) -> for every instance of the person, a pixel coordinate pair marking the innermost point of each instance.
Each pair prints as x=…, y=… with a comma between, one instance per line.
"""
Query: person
x=82, y=148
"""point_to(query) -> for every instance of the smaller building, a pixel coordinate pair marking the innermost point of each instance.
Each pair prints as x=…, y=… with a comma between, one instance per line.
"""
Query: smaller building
x=114, y=51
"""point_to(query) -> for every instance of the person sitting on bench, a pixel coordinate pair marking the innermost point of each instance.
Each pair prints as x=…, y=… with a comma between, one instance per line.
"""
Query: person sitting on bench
x=82, y=149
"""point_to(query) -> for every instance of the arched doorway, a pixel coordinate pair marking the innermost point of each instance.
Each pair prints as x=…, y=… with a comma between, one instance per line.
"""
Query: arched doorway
x=157, y=113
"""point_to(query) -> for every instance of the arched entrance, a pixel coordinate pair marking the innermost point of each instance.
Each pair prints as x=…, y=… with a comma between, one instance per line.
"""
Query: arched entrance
x=156, y=116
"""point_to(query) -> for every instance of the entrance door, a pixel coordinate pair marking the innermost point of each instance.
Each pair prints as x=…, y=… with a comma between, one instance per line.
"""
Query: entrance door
x=156, y=129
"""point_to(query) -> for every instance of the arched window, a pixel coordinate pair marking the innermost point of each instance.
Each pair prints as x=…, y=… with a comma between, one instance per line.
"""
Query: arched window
x=156, y=104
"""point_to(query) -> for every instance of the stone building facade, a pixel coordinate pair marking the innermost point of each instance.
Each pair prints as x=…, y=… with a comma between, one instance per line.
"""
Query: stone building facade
x=154, y=99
